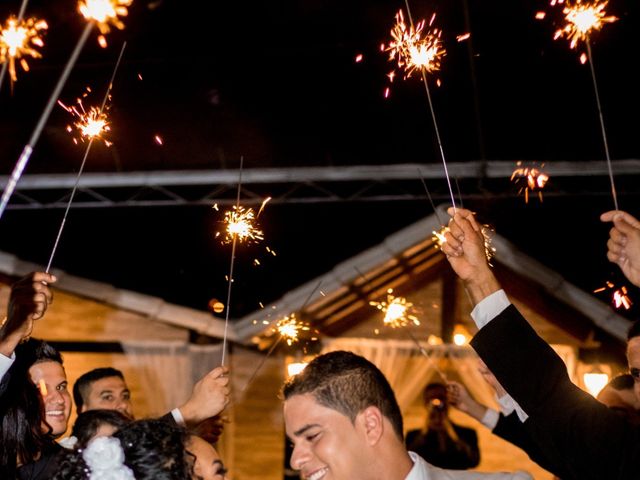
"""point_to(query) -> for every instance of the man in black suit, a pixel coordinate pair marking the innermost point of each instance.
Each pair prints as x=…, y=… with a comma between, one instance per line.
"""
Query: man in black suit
x=592, y=441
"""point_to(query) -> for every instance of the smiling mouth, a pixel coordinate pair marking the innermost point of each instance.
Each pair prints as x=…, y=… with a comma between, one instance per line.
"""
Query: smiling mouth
x=54, y=413
x=317, y=475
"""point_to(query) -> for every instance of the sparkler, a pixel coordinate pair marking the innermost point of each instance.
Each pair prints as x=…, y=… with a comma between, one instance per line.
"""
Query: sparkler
x=398, y=312
x=582, y=19
x=106, y=14
x=91, y=124
x=241, y=225
x=619, y=296
x=3, y=71
x=530, y=179
x=91, y=131
x=95, y=14
x=415, y=49
x=18, y=40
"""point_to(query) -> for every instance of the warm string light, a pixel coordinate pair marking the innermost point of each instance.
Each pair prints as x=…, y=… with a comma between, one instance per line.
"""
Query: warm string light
x=106, y=14
x=529, y=178
x=398, y=312
x=18, y=40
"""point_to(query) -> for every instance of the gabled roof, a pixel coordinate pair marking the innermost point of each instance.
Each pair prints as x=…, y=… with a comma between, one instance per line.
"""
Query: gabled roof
x=153, y=308
x=331, y=301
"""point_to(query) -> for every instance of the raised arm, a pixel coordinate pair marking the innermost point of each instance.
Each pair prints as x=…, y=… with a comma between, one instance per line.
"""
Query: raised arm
x=624, y=243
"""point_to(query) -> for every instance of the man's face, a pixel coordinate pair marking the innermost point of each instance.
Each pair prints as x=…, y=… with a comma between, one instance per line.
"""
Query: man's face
x=326, y=445
x=51, y=380
x=633, y=358
x=109, y=393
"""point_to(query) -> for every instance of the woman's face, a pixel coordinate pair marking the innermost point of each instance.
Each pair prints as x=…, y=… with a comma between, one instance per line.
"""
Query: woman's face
x=208, y=465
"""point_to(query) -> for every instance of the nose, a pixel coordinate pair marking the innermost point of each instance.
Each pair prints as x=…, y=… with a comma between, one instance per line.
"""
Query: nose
x=123, y=406
x=299, y=457
x=55, y=396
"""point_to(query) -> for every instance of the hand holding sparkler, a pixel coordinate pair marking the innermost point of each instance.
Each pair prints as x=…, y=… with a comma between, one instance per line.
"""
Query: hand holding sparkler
x=624, y=243
x=465, y=250
x=209, y=397
x=29, y=299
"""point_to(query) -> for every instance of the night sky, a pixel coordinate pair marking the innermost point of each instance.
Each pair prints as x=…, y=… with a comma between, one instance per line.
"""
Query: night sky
x=277, y=83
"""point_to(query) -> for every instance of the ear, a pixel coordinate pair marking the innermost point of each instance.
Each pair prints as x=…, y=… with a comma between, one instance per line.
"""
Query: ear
x=371, y=421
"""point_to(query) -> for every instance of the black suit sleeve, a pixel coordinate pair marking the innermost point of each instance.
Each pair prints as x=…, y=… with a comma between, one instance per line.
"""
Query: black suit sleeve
x=168, y=418
x=592, y=441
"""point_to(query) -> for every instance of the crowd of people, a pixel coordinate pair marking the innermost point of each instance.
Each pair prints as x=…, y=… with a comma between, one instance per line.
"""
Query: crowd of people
x=341, y=415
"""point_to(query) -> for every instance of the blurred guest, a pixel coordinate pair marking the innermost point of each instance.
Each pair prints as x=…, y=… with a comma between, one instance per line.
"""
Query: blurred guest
x=441, y=442
x=95, y=423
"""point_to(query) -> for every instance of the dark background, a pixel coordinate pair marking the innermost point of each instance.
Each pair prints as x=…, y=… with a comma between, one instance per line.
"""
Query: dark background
x=277, y=83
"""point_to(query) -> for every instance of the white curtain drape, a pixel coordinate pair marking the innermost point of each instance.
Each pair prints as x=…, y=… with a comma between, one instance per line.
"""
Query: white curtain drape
x=168, y=370
x=409, y=371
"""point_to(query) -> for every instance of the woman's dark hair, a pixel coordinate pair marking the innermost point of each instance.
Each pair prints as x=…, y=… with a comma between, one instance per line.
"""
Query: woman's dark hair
x=23, y=433
x=153, y=450
x=88, y=422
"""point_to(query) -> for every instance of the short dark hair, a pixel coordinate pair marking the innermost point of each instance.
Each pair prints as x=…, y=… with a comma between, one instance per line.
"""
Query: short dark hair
x=634, y=330
x=347, y=383
x=87, y=424
x=83, y=383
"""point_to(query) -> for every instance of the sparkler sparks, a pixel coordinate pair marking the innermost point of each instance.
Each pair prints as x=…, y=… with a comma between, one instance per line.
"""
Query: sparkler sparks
x=581, y=20
x=241, y=225
x=529, y=179
x=439, y=237
x=289, y=328
x=106, y=14
x=91, y=124
x=415, y=49
x=619, y=297
x=398, y=312
x=17, y=41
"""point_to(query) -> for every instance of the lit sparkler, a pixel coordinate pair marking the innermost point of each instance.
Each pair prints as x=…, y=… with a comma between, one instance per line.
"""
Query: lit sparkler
x=415, y=49
x=398, y=312
x=289, y=328
x=529, y=179
x=619, y=297
x=438, y=237
x=581, y=20
x=106, y=14
x=91, y=124
x=18, y=39
x=241, y=225
x=489, y=250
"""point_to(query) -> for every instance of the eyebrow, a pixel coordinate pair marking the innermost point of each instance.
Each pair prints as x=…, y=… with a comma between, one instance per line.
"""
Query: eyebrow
x=304, y=429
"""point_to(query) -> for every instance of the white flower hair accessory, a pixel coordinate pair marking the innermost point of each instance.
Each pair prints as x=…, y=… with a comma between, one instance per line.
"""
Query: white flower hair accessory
x=105, y=458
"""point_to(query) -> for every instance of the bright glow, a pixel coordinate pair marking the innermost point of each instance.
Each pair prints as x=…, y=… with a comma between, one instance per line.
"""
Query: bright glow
x=241, y=225
x=582, y=19
x=106, y=13
x=413, y=48
x=619, y=296
x=398, y=312
x=295, y=368
x=595, y=381
x=91, y=124
x=17, y=41
x=438, y=237
x=460, y=339
x=289, y=328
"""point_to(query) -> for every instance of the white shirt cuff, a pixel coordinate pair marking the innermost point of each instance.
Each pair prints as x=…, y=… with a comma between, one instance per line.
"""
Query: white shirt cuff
x=489, y=308
x=5, y=363
x=508, y=405
x=177, y=416
x=490, y=418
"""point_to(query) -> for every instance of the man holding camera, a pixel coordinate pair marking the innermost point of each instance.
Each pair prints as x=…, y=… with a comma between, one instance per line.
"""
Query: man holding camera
x=441, y=442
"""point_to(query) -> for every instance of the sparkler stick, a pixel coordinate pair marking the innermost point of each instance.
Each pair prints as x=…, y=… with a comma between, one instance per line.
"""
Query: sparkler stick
x=602, y=129
x=3, y=72
x=233, y=257
x=84, y=159
x=28, y=148
x=433, y=116
x=100, y=13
